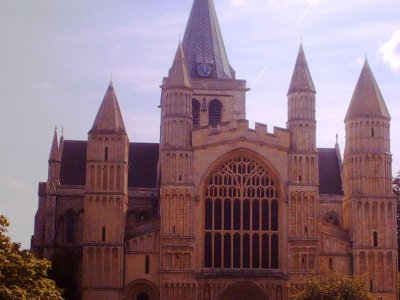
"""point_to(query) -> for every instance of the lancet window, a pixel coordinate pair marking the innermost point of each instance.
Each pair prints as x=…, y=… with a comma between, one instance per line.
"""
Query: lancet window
x=214, y=112
x=241, y=217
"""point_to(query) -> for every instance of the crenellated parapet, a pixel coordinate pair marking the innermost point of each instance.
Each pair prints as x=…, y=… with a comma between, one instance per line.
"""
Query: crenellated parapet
x=239, y=130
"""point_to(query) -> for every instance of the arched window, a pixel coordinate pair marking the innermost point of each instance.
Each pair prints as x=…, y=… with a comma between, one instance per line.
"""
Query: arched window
x=196, y=113
x=332, y=218
x=242, y=225
x=214, y=112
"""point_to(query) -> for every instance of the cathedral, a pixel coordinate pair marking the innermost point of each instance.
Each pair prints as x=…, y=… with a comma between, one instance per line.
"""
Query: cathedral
x=218, y=210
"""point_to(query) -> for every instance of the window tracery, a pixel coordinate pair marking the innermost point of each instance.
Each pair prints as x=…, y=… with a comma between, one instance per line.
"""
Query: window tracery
x=241, y=217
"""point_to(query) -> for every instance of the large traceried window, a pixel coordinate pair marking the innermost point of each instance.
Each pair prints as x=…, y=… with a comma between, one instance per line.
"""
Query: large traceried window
x=214, y=112
x=241, y=217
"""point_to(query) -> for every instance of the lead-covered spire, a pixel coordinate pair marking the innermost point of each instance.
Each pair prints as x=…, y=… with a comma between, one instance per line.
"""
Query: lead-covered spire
x=109, y=118
x=203, y=44
x=301, y=78
x=367, y=100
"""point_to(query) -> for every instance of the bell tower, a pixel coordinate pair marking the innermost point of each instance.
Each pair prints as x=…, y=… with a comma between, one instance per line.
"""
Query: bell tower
x=303, y=186
x=369, y=204
x=106, y=200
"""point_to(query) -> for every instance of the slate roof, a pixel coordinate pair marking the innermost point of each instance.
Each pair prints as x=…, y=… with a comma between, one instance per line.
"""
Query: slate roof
x=203, y=43
x=367, y=99
x=301, y=78
x=330, y=181
x=143, y=160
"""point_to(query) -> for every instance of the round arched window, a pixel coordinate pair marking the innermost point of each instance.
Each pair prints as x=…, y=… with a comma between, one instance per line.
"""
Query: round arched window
x=241, y=217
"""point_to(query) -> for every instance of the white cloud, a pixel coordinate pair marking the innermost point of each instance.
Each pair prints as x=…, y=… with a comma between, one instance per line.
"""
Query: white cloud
x=390, y=51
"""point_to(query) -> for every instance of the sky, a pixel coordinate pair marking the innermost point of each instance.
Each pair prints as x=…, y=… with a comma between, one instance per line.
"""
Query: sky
x=57, y=58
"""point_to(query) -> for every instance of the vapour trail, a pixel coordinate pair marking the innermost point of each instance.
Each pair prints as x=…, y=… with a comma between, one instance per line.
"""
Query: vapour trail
x=303, y=15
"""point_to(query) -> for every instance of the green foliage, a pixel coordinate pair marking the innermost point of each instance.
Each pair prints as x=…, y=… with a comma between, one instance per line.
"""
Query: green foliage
x=396, y=184
x=22, y=275
x=334, y=286
x=64, y=270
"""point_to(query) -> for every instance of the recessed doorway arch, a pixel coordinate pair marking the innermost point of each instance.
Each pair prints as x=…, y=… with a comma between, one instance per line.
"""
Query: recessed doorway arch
x=243, y=291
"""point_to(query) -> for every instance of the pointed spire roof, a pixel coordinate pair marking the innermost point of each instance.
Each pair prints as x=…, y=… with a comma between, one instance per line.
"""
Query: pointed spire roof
x=178, y=74
x=54, y=151
x=301, y=78
x=109, y=118
x=367, y=99
x=203, y=44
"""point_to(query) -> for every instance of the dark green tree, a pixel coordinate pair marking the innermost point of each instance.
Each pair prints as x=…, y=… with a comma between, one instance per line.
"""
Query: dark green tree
x=22, y=275
x=333, y=286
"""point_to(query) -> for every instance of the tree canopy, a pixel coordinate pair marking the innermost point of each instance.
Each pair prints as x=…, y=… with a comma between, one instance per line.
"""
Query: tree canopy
x=22, y=275
x=333, y=286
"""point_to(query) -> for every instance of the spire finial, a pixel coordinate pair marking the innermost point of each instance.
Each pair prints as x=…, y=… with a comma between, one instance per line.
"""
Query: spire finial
x=62, y=131
x=337, y=138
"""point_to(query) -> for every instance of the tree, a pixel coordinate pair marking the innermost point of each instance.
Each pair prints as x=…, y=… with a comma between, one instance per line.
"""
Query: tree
x=333, y=286
x=22, y=275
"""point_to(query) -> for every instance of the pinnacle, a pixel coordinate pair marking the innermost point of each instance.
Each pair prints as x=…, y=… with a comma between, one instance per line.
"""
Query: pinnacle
x=178, y=74
x=109, y=118
x=301, y=78
x=367, y=99
x=54, y=152
x=203, y=44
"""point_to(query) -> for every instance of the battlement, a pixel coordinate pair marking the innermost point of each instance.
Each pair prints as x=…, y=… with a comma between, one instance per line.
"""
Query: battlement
x=240, y=130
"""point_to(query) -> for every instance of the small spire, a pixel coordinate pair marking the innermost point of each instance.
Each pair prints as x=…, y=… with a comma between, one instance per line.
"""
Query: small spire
x=54, y=151
x=178, y=74
x=337, y=138
x=367, y=100
x=301, y=78
x=109, y=118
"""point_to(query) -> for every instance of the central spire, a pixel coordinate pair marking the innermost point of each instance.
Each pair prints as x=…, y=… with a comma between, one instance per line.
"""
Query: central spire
x=203, y=44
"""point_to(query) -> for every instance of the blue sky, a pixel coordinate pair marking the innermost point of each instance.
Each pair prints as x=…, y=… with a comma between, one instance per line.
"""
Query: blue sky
x=56, y=59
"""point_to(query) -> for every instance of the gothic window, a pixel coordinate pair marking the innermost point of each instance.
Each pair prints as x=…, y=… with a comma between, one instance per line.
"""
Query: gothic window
x=241, y=211
x=196, y=113
x=214, y=112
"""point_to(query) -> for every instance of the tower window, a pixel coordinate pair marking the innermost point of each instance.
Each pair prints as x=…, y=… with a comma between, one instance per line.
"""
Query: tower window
x=196, y=113
x=147, y=264
x=214, y=113
x=106, y=153
x=372, y=132
x=330, y=263
x=375, y=237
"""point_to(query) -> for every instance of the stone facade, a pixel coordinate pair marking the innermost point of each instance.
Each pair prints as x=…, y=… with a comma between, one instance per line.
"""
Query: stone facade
x=218, y=210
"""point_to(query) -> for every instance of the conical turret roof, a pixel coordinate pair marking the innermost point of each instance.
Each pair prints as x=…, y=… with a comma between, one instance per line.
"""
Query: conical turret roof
x=109, y=118
x=301, y=78
x=367, y=99
x=203, y=44
x=54, y=151
x=178, y=74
